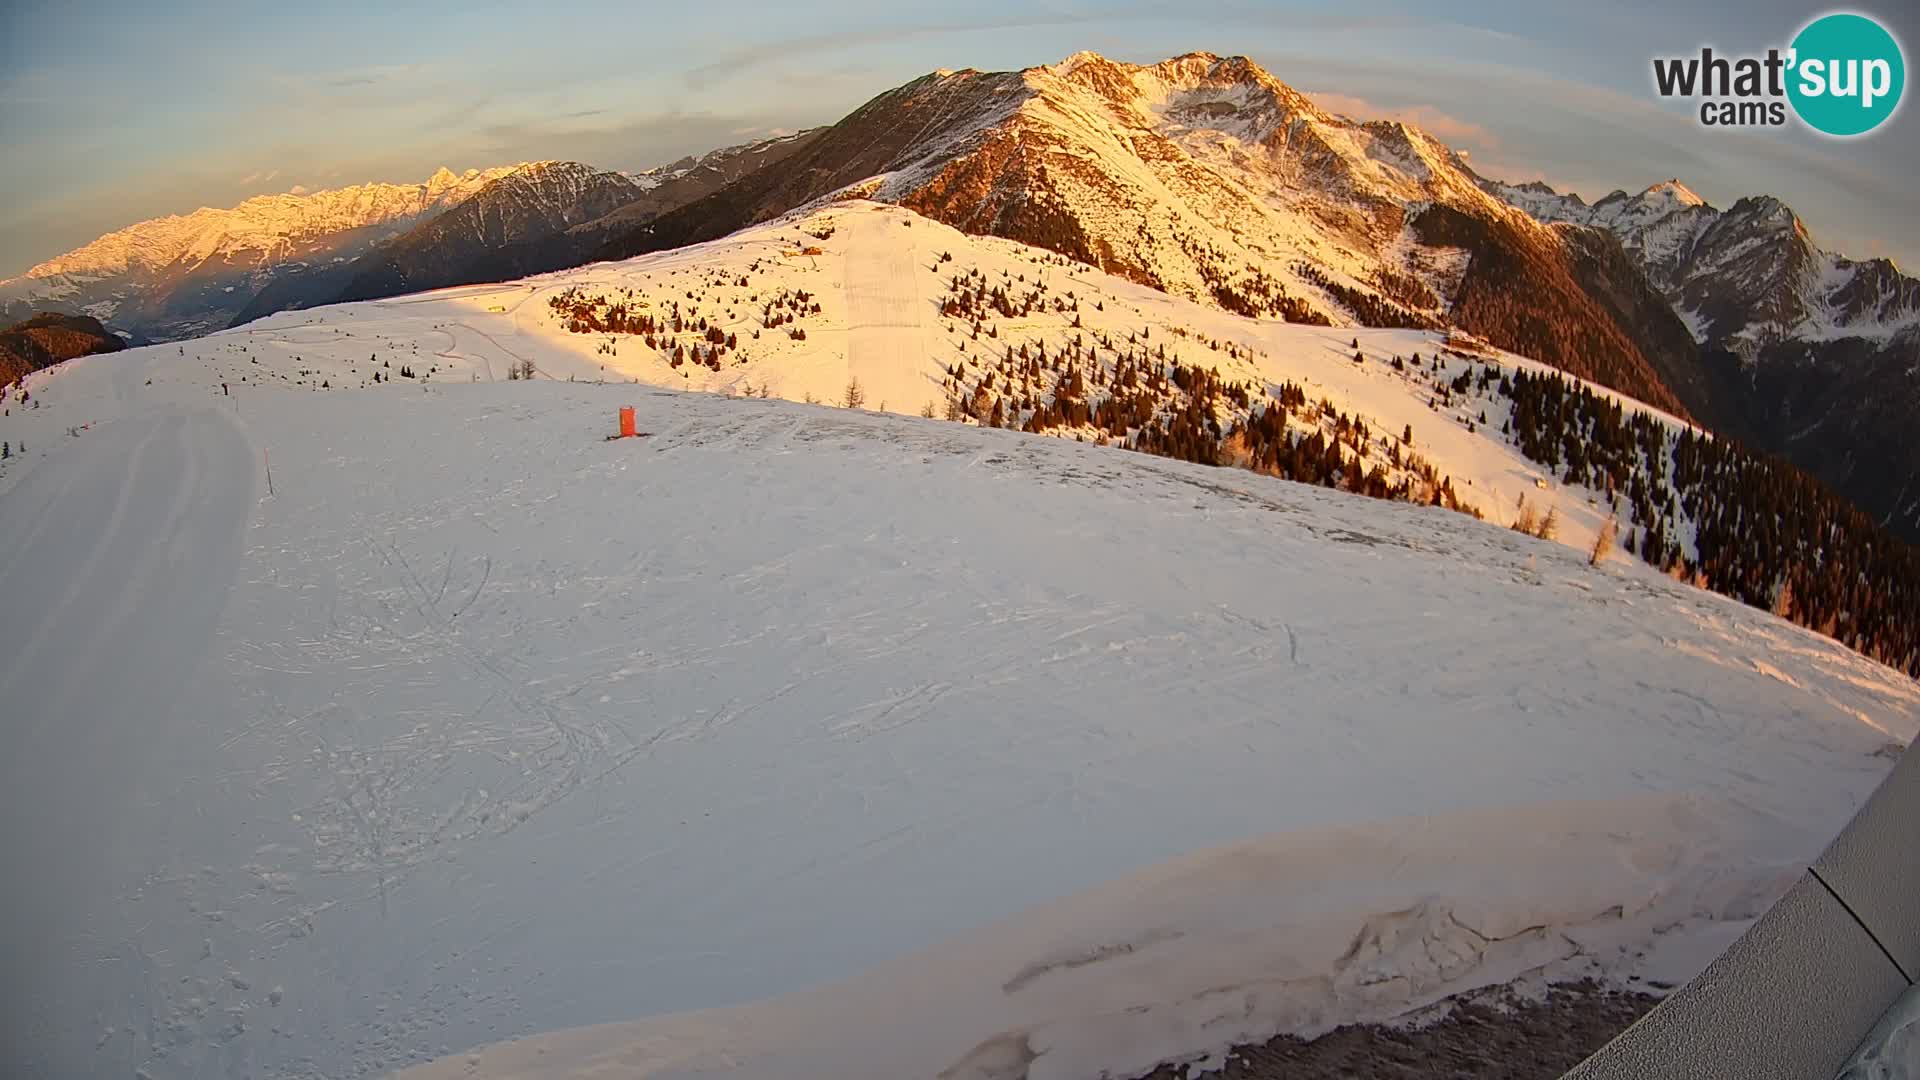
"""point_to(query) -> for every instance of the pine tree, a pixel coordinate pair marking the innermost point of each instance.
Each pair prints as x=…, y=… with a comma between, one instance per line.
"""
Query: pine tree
x=1603, y=542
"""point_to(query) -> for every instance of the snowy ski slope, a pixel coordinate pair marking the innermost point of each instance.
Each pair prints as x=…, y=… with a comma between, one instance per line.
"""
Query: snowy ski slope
x=801, y=741
x=879, y=280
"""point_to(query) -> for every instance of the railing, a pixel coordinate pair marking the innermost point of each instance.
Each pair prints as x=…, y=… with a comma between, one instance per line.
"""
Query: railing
x=1797, y=993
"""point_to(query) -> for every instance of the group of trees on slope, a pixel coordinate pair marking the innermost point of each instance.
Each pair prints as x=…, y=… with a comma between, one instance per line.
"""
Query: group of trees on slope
x=1762, y=531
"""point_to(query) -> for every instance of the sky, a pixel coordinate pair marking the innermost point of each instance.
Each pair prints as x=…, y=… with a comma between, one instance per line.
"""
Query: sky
x=115, y=112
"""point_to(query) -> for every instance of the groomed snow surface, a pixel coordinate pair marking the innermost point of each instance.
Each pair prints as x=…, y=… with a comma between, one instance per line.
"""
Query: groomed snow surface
x=796, y=741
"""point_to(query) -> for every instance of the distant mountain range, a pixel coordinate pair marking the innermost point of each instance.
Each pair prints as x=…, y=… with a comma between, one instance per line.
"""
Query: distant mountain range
x=530, y=200
x=1203, y=176
x=189, y=274
x=538, y=217
x=1801, y=352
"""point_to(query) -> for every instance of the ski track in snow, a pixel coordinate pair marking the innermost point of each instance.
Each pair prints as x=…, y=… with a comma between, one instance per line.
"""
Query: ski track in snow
x=115, y=579
x=883, y=314
x=482, y=726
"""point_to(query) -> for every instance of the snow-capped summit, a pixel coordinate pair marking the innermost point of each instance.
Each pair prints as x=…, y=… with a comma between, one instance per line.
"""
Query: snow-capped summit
x=445, y=179
x=1821, y=346
x=1673, y=191
x=1743, y=278
x=262, y=228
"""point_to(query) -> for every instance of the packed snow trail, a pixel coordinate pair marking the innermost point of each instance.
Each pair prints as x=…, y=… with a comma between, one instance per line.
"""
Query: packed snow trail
x=116, y=559
x=507, y=728
x=886, y=346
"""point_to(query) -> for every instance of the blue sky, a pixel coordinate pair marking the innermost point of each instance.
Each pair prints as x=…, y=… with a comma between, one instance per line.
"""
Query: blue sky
x=113, y=112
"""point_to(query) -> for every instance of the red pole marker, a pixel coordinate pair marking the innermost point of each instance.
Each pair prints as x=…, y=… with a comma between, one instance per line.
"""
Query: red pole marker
x=626, y=422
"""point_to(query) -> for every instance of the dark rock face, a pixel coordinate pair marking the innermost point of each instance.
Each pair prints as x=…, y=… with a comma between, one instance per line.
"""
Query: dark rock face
x=1491, y=1035
x=1842, y=410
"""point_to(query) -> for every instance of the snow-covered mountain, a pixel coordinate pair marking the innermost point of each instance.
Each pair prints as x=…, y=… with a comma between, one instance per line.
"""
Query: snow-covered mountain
x=927, y=319
x=670, y=186
x=540, y=217
x=1040, y=749
x=1208, y=178
x=475, y=240
x=184, y=274
x=1805, y=352
x=1743, y=278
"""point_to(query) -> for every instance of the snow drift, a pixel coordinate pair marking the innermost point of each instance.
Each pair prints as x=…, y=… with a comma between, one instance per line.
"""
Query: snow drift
x=1296, y=932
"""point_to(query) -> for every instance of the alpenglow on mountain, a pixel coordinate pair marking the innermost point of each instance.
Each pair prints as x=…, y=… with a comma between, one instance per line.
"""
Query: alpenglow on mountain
x=544, y=216
x=1206, y=177
x=188, y=274
x=527, y=202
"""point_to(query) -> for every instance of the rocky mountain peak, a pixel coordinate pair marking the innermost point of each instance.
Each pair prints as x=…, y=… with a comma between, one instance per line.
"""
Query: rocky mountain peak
x=1674, y=192
x=1743, y=278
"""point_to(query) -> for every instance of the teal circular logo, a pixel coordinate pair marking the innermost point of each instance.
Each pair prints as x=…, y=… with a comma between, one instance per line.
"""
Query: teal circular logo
x=1846, y=74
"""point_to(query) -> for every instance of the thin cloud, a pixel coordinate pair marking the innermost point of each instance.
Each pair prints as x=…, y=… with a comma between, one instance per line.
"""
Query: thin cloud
x=372, y=76
x=738, y=61
x=639, y=143
x=1441, y=125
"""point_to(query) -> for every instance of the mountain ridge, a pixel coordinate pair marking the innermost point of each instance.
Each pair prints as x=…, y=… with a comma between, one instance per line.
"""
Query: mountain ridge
x=540, y=217
x=531, y=201
x=1744, y=277
x=1803, y=351
x=1207, y=177
x=184, y=274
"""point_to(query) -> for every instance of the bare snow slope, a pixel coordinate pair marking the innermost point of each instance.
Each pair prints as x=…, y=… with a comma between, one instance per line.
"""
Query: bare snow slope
x=1007, y=751
x=878, y=277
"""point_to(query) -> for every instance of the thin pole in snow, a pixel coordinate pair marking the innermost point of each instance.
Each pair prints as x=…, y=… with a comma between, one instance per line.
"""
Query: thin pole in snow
x=268, y=458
